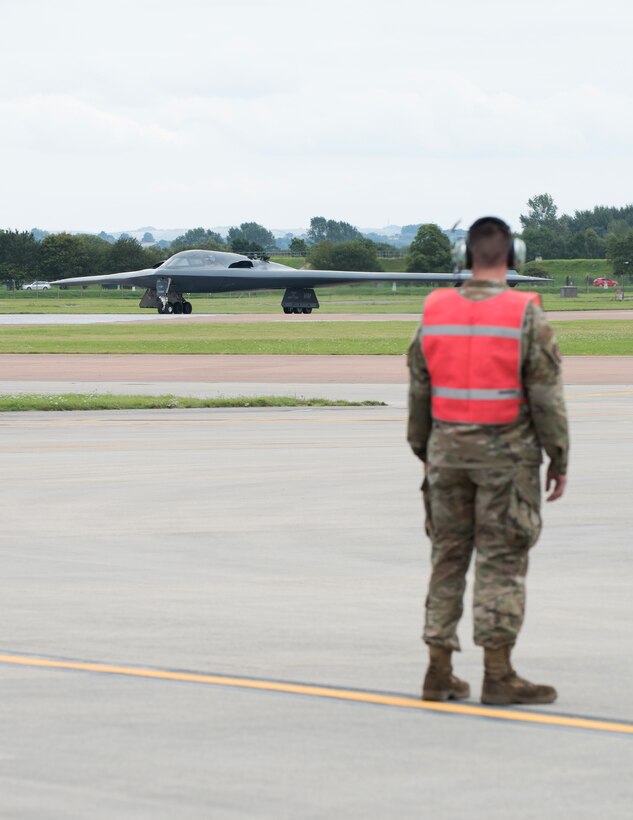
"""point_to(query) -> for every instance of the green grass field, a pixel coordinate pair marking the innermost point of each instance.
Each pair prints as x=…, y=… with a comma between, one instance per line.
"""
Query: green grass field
x=364, y=299
x=582, y=338
x=108, y=401
x=374, y=298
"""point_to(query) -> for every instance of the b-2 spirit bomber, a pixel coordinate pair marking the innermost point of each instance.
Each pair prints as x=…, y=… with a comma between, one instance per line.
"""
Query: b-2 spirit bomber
x=204, y=271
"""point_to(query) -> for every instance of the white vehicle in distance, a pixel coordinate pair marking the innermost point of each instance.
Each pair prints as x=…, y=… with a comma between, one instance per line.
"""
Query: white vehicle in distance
x=37, y=286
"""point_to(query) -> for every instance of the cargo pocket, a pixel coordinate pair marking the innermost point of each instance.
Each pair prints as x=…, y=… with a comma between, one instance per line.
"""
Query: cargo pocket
x=428, y=526
x=524, y=509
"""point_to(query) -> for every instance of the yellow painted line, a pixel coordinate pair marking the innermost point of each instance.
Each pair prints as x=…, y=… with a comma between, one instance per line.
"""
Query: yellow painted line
x=398, y=701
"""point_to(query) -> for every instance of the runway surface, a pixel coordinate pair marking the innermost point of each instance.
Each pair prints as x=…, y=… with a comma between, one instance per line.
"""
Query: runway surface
x=138, y=369
x=184, y=591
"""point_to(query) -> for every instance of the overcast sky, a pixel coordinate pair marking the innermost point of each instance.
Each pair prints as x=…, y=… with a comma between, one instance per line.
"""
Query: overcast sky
x=117, y=115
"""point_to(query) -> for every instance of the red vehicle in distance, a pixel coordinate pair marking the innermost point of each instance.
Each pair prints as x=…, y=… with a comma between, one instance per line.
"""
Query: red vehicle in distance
x=603, y=282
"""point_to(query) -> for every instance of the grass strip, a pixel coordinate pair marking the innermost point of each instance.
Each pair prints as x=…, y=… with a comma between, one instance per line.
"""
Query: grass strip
x=109, y=401
x=365, y=298
x=576, y=338
x=208, y=338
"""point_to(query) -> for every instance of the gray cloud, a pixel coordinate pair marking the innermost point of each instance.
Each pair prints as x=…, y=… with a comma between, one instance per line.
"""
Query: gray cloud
x=208, y=113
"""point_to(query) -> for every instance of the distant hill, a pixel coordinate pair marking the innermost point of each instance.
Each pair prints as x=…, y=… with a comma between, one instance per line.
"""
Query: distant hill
x=396, y=235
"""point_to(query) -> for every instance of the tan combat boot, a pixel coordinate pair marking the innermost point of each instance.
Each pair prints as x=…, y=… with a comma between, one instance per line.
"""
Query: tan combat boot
x=439, y=682
x=502, y=686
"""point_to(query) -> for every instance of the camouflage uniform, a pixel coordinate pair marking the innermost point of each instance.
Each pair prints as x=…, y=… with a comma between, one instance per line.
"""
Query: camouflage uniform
x=482, y=491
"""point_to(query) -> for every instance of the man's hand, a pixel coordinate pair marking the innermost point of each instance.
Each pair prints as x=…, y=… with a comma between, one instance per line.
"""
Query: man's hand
x=557, y=483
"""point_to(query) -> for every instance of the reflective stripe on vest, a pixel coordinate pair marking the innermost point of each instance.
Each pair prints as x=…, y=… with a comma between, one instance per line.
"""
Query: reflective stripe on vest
x=473, y=353
x=472, y=330
x=493, y=395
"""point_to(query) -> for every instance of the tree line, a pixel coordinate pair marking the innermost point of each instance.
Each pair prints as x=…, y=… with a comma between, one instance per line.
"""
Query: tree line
x=328, y=245
x=600, y=233
x=27, y=255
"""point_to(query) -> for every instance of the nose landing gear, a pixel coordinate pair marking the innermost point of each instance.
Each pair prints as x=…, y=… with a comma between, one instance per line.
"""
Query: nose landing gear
x=166, y=302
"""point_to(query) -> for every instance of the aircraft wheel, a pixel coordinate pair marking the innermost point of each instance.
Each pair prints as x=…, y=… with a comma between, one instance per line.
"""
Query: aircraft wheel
x=187, y=307
x=296, y=310
x=169, y=308
x=307, y=310
x=287, y=310
x=177, y=307
x=160, y=310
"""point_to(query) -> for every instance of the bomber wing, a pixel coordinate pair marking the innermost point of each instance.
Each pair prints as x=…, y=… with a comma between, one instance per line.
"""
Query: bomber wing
x=222, y=272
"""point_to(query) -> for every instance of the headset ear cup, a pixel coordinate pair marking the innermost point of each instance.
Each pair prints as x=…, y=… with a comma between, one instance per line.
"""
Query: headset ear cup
x=461, y=254
x=518, y=253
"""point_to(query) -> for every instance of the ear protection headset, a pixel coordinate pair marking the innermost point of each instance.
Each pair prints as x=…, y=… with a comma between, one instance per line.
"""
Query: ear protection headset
x=462, y=252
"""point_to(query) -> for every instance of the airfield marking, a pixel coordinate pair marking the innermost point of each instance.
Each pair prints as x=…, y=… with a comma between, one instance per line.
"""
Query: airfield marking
x=601, y=395
x=332, y=693
x=52, y=423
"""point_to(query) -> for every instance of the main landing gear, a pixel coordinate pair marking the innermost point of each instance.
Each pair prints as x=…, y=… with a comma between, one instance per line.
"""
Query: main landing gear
x=182, y=306
x=165, y=300
x=299, y=300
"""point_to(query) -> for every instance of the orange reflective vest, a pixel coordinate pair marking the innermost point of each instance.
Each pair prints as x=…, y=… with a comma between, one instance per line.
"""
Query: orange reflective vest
x=473, y=353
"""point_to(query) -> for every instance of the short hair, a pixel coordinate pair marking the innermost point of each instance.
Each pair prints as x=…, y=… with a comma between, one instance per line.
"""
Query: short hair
x=489, y=242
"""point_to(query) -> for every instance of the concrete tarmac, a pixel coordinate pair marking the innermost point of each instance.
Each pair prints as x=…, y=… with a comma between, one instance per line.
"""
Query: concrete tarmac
x=288, y=545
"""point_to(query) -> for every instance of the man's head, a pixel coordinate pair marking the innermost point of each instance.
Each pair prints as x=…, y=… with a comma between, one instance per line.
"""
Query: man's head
x=489, y=244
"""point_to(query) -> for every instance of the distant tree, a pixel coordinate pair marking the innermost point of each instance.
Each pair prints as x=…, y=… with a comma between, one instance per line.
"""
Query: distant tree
x=329, y=230
x=107, y=237
x=38, y=234
x=359, y=254
x=250, y=234
x=620, y=253
x=618, y=227
x=602, y=218
x=95, y=251
x=62, y=255
x=384, y=247
x=126, y=255
x=244, y=246
x=534, y=269
x=542, y=213
x=543, y=232
x=587, y=245
x=546, y=242
x=147, y=238
x=19, y=256
x=317, y=232
x=430, y=251
x=153, y=255
x=202, y=238
x=298, y=246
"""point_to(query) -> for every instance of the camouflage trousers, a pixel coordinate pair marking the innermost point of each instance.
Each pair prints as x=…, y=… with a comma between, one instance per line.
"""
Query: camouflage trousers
x=496, y=514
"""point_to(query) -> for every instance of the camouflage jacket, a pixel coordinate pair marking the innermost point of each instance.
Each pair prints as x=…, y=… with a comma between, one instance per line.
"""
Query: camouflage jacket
x=542, y=420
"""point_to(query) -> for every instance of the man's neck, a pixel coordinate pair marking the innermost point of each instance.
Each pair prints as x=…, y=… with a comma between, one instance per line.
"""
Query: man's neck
x=497, y=274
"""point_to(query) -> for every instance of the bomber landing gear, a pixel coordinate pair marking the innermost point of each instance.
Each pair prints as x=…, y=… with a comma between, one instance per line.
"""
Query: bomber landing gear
x=177, y=306
x=299, y=300
x=166, y=302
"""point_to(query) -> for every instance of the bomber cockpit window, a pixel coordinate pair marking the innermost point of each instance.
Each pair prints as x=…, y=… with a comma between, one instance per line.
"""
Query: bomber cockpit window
x=186, y=259
x=177, y=262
